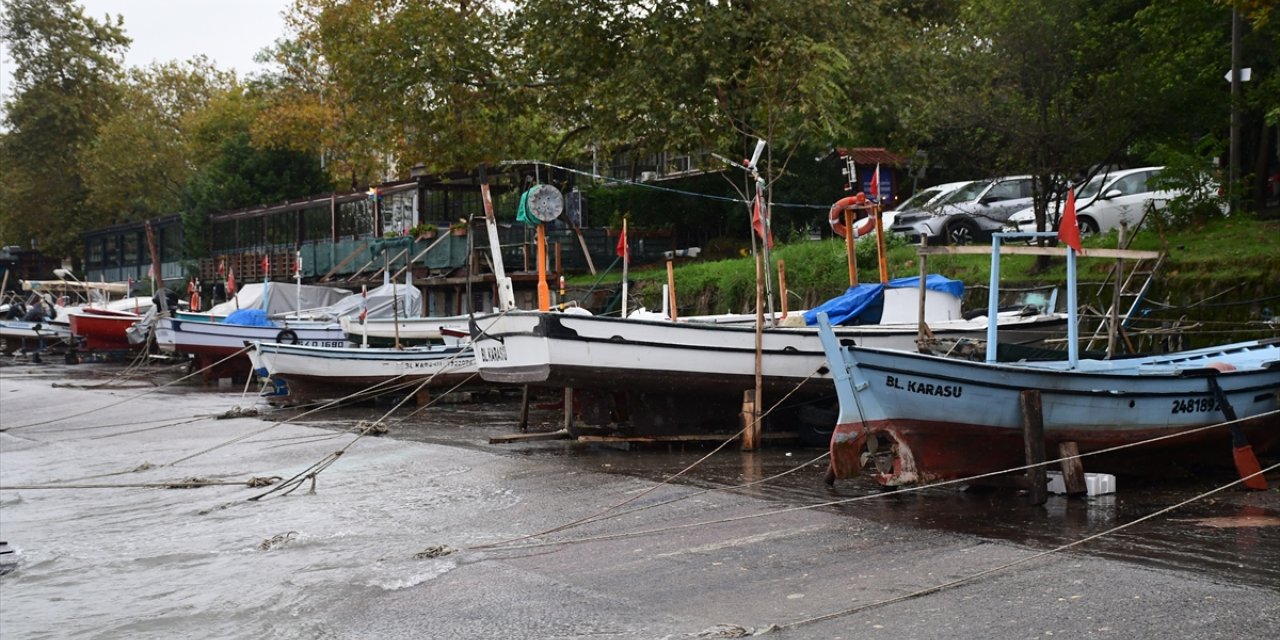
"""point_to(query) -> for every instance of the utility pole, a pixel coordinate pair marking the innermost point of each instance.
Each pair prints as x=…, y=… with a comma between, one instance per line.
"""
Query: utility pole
x=1233, y=175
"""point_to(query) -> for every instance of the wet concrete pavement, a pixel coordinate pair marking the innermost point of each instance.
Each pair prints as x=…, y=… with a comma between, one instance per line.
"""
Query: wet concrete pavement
x=742, y=558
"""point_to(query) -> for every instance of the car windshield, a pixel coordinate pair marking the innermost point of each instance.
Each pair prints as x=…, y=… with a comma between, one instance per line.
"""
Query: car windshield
x=919, y=199
x=1091, y=188
x=967, y=192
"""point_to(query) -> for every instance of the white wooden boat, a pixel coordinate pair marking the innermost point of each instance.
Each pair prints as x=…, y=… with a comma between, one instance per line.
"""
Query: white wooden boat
x=386, y=331
x=306, y=372
x=695, y=372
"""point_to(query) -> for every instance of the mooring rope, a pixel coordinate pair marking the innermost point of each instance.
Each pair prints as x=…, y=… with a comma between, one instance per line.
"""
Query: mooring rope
x=831, y=503
x=128, y=398
x=310, y=473
x=986, y=572
x=598, y=516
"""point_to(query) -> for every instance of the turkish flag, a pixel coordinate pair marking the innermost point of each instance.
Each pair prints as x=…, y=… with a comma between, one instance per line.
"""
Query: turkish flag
x=1068, y=228
x=231, y=282
x=622, y=244
x=757, y=222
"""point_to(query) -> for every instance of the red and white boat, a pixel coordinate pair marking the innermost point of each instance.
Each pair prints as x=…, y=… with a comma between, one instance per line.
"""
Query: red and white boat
x=102, y=329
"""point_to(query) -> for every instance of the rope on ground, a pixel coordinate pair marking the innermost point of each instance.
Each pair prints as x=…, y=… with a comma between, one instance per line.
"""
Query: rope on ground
x=506, y=544
x=128, y=398
x=185, y=483
x=599, y=515
x=258, y=432
x=310, y=473
x=970, y=578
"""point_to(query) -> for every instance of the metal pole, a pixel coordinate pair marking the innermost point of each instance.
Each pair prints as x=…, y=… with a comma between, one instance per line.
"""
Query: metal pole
x=1234, y=160
x=993, y=300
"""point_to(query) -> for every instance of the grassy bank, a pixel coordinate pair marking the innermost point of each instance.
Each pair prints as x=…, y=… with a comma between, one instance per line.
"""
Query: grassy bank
x=1226, y=273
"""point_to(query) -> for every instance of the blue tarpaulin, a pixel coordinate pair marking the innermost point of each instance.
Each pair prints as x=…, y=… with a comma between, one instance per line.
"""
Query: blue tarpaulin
x=864, y=303
x=249, y=318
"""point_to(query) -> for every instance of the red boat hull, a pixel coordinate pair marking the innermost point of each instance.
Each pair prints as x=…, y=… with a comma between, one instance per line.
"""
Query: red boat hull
x=103, y=330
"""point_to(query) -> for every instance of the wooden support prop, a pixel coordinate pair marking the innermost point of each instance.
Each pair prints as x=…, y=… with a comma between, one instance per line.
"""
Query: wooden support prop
x=922, y=329
x=1033, y=438
x=582, y=242
x=568, y=408
x=531, y=437
x=848, y=247
x=671, y=288
x=1072, y=469
x=422, y=397
x=702, y=437
x=782, y=285
x=748, y=420
x=524, y=408
x=880, y=246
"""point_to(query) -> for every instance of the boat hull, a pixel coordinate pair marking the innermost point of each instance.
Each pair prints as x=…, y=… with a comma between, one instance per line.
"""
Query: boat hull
x=923, y=418
x=103, y=330
x=308, y=372
x=593, y=352
x=222, y=346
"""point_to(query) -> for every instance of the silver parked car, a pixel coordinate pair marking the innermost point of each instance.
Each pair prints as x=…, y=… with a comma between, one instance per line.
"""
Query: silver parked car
x=971, y=213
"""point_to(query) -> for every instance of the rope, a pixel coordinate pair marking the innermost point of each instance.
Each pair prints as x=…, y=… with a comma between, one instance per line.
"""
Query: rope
x=189, y=483
x=1014, y=563
x=128, y=398
x=310, y=473
x=598, y=516
x=655, y=187
x=900, y=491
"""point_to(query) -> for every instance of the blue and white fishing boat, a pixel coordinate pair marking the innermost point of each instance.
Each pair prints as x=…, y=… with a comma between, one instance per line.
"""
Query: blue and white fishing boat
x=302, y=372
x=908, y=418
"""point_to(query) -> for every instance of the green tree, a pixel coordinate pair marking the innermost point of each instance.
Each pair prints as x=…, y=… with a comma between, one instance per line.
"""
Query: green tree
x=64, y=86
x=139, y=163
x=235, y=171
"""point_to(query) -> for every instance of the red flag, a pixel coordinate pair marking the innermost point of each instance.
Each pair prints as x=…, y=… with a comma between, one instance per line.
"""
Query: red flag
x=266, y=266
x=622, y=245
x=757, y=221
x=875, y=184
x=231, y=282
x=1068, y=228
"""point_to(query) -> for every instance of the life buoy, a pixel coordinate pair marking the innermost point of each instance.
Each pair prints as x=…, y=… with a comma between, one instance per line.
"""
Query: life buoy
x=287, y=336
x=862, y=213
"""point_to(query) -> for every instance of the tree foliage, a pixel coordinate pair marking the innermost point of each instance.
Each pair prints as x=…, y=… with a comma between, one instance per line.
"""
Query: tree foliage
x=64, y=85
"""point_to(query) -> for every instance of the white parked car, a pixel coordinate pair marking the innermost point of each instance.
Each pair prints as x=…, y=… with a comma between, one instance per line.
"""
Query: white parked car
x=1106, y=200
x=970, y=213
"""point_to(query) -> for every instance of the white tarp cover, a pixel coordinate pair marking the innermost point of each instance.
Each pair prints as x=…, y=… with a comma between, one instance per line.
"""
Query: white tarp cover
x=278, y=298
x=379, y=304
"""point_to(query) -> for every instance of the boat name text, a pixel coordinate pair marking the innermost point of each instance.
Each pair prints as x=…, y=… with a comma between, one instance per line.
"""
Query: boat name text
x=924, y=388
x=497, y=353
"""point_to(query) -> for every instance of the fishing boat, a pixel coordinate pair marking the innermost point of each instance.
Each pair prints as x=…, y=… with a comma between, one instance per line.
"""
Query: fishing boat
x=914, y=418
x=105, y=326
x=910, y=418
x=299, y=372
x=407, y=331
x=710, y=364
x=300, y=315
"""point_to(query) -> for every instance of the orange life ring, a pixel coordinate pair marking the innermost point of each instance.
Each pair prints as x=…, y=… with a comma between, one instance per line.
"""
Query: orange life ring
x=862, y=211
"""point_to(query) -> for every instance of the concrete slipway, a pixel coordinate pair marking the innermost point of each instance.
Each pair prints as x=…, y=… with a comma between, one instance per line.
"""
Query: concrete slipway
x=348, y=561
